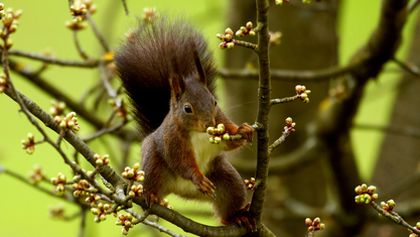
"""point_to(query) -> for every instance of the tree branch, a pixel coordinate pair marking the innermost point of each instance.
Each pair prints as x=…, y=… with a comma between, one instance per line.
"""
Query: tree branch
x=408, y=68
x=97, y=33
x=291, y=75
x=119, y=183
x=43, y=84
x=37, y=187
x=54, y=60
x=413, y=6
x=401, y=131
x=264, y=95
x=395, y=217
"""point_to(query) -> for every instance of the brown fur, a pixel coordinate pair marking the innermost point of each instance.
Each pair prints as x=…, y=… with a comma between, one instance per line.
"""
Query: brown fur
x=168, y=73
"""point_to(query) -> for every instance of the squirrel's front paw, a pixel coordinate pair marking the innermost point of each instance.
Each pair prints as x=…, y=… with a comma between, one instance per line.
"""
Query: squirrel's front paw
x=246, y=131
x=205, y=186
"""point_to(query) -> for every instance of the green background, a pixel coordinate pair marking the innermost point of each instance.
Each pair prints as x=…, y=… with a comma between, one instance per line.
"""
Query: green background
x=24, y=212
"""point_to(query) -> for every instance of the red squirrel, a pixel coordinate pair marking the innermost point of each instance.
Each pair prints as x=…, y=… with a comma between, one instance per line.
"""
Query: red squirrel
x=168, y=73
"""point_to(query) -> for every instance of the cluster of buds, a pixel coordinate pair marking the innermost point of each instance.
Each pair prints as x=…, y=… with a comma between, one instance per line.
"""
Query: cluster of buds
x=83, y=188
x=217, y=134
x=149, y=13
x=302, y=93
x=37, y=175
x=101, y=160
x=245, y=30
x=134, y=174
x=57, y=108
x=9, y=19
x=315, y=224
x=290, y=125
x=68, y=122
x=100, y=210
x=388, y=205
x=57, y=211
x=28, y=144
x=136, y=190
x=126, y=221
x=79, y=9
x=418, y=228
x=92, y=199
x=250, y=183
x=3, y=83
x=59, y=183
x=365, y=194
x=227, y=39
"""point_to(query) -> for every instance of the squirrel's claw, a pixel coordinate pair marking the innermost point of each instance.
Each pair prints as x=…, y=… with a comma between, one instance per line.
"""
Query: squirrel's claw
x=246, y=131
x=206, y=186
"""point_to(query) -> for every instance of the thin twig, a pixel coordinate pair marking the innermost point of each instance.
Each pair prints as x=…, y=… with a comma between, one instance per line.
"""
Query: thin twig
x=413, y=70
x=402, y=131
x=98, y=34
x=124, y=2
x=413, y=6
x=24, y=180
x=162, y=228
x=284, y=100
x=89, y=92
x=264, y=95
x=245, y=44
x=105, y=78
x=54, y=60
x=395, y=217
x=104, y=131
x=79, y=48
x=139, y=218
x=125, y=154
x=82, y=225
x=280, y=140
x=291, y=75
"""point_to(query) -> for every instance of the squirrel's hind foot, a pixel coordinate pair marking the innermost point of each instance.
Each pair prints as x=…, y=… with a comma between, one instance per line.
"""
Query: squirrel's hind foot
x=242, y=218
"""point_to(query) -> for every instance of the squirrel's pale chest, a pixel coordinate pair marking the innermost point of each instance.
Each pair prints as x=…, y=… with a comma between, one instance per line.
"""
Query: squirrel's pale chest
x=204, y=151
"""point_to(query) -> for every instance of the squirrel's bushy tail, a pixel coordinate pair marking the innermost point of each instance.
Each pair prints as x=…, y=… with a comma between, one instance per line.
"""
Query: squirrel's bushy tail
x=145, y=60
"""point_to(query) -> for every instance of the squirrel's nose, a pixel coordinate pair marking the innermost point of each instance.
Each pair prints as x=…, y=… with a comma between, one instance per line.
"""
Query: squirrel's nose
x=211, y=123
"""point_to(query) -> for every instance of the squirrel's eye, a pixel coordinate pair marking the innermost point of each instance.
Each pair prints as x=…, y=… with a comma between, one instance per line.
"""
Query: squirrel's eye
x=188, y=108
x=215, y=103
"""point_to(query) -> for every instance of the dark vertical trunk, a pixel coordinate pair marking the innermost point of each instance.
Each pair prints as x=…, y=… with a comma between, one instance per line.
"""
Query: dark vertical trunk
x=309, y=41
x=397, y=170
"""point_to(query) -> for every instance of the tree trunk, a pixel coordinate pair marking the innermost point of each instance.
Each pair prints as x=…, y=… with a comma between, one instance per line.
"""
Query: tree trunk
x=397, y=170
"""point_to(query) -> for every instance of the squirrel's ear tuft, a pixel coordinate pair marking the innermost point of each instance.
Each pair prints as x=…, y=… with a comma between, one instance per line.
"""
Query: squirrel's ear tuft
x=177, y=86
x=200, y=69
